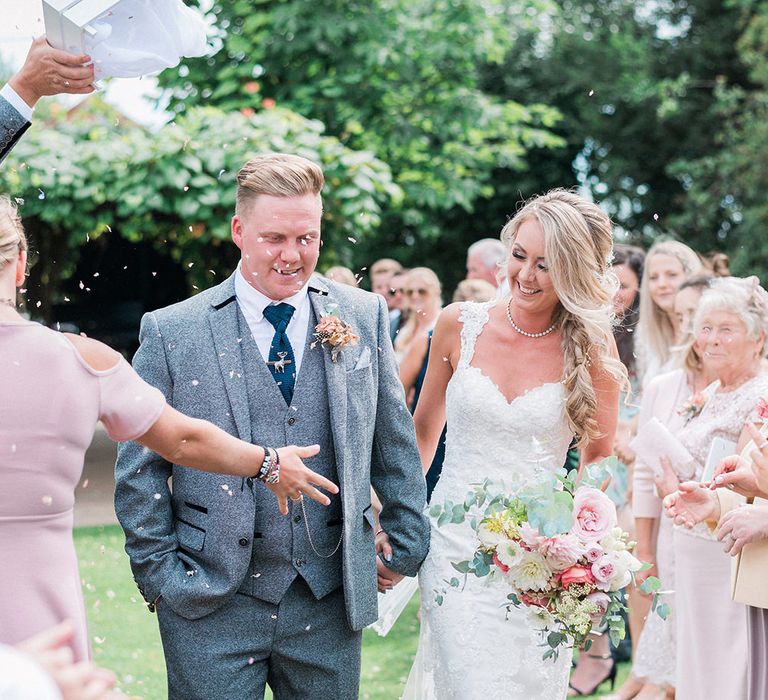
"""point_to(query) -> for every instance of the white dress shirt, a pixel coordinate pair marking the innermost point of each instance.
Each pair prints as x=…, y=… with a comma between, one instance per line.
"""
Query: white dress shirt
x=252, y=303
x=12, y=98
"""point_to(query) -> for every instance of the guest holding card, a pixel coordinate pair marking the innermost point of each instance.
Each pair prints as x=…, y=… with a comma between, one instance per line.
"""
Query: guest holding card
x=730, y=328
x=735, y=507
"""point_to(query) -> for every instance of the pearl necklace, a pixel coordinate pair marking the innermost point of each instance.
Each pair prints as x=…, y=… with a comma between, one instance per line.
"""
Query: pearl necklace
x=521, y=331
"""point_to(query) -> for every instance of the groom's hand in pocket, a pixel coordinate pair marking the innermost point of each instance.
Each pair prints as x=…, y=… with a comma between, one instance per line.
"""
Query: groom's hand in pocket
x=297, y=480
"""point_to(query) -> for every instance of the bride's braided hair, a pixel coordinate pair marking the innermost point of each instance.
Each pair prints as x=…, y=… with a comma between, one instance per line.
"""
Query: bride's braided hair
x=578, y=244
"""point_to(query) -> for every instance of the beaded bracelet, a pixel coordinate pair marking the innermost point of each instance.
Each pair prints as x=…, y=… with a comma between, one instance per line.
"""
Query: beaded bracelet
x=274, y=473
x=266, y=465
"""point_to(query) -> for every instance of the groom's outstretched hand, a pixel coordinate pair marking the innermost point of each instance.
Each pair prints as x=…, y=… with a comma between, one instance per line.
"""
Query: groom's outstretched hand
x=297, y=480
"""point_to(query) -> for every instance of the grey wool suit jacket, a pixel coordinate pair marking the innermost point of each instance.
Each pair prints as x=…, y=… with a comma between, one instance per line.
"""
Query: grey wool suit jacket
x=194, y=345
x=12, y=126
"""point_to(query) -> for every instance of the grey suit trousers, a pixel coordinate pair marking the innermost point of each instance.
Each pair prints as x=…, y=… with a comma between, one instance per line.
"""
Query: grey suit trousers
x=303, y=648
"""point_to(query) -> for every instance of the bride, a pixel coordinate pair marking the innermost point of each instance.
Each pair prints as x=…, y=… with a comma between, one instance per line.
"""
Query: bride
x=517, y=379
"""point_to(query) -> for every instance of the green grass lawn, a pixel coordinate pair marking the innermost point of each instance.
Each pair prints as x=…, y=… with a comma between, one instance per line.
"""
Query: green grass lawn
x=125, y=638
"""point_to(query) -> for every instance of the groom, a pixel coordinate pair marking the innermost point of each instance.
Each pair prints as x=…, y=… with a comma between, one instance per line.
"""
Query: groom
x=244, y=595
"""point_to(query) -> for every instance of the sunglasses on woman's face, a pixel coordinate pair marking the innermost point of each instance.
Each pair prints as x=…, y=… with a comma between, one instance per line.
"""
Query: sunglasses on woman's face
x=414, y=292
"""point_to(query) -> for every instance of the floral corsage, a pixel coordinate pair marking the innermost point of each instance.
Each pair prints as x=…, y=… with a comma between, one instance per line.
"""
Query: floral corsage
x=762, y=410
x=693, y=407
x=334, y=332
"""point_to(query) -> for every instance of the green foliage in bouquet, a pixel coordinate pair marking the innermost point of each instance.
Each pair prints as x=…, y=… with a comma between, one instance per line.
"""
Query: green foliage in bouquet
x=535, y=535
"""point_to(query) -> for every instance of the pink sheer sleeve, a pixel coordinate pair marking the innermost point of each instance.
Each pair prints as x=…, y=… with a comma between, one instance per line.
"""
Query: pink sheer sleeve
x=129, y=406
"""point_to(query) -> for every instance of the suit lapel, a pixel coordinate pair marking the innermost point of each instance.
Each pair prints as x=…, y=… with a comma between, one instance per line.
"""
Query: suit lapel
x=223, y=318
x=335, y=375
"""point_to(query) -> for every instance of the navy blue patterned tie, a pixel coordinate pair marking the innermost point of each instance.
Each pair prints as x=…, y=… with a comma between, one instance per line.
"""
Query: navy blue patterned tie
x=281, y=362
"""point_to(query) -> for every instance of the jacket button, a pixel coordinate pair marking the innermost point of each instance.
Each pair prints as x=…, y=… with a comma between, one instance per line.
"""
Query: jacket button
x=243, y=541
x=297, y=519
x=291, y=420
x=300, y=562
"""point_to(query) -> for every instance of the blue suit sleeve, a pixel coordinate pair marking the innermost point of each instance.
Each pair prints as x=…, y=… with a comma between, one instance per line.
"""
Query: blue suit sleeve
x=12, y=126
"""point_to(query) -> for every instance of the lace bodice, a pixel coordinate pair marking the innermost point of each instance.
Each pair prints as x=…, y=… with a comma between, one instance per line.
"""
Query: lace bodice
x=724, y=415
x=499, y=654
x=489, y=437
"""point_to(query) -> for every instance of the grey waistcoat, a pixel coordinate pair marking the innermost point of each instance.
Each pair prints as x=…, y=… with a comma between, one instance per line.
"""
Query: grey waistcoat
x=281, y=550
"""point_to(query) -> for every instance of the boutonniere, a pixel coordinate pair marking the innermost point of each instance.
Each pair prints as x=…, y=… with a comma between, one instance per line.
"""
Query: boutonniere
x=334, y=332
x=692, y=407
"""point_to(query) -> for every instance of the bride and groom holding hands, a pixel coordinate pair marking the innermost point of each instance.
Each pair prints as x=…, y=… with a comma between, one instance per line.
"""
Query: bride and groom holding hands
x=249, y=592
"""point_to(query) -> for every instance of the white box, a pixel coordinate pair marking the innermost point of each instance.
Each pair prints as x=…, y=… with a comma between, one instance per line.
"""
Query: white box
x=68, y=22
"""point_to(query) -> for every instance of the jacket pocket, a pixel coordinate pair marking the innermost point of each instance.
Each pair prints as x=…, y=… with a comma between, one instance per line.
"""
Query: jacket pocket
x=190, y=537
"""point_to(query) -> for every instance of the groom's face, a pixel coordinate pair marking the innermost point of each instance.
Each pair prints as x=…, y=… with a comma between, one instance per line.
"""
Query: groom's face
x=279, y=241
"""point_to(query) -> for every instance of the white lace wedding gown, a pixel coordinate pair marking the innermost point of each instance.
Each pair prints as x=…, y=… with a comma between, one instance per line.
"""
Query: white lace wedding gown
x=469, y=648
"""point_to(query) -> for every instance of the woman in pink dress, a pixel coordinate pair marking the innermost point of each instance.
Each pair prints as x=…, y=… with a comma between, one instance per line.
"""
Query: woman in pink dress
x=55, y=388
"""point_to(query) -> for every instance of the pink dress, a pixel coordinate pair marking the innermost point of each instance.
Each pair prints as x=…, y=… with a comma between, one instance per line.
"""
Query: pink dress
x=711, y=628
x=51, y=402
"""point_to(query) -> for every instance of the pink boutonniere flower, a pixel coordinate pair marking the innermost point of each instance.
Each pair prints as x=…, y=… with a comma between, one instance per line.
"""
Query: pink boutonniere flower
x=693, y=407
x=334, y=332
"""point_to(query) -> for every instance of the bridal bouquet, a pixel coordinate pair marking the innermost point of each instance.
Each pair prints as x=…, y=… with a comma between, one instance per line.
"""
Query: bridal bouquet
x=557, y=547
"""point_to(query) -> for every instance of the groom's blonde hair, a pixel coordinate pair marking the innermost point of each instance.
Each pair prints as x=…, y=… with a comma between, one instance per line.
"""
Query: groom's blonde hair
x=277, y=175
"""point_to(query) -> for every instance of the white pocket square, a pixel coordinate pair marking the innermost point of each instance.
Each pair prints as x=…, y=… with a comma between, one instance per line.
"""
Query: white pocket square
x=364, y=359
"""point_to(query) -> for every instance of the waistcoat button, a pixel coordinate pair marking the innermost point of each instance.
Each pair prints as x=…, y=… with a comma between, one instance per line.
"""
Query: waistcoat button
x=291, y=420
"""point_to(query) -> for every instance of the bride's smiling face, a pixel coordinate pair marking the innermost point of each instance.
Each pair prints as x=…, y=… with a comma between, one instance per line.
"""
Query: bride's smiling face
x=529, y=281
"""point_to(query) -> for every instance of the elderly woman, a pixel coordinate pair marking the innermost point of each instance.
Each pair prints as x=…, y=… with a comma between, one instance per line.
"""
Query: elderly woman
x=56, y=387
x=735, y=507
x=730, y=329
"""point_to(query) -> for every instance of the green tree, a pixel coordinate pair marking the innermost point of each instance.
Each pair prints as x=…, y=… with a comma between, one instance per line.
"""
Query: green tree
x=726, y=189
x=636, y=84
x=401, y=78
x=86, y=177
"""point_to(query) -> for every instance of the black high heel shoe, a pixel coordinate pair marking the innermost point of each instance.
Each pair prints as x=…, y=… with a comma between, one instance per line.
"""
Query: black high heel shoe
x=610, y=676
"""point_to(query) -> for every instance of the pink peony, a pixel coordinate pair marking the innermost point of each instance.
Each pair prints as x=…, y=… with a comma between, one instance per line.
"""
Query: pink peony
x=576, y=575
x=562, y=551
x=604, y=569
x=530, y=536
x=594, y=514
x=594, y=552
x=602, y=600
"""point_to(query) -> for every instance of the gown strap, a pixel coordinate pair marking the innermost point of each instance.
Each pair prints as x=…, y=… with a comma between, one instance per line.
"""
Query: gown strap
x=473, y=317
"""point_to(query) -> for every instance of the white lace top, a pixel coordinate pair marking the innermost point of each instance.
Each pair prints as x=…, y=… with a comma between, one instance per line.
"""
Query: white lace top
x=724, y=415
